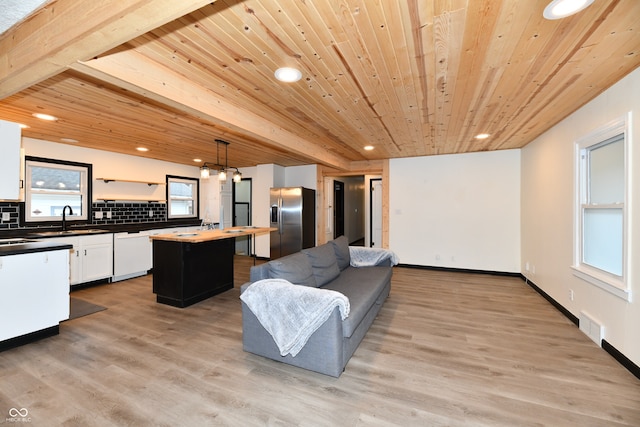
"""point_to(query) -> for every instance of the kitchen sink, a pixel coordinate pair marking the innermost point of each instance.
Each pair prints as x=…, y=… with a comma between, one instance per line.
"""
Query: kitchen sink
x=68, y=232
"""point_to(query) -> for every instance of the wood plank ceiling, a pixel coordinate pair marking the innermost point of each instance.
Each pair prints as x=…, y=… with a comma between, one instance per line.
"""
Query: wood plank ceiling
x=410, y=78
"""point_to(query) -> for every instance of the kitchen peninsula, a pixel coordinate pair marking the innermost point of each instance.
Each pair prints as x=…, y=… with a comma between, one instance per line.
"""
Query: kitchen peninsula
x=193, y=266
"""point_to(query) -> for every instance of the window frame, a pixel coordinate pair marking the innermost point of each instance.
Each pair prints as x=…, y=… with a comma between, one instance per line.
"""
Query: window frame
x=86, y=191
x=195, y=197
x=612, y=283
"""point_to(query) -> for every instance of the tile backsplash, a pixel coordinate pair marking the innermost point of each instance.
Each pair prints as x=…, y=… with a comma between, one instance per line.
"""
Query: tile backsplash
x=104, y=213
x=13, y=211
x=110, y=213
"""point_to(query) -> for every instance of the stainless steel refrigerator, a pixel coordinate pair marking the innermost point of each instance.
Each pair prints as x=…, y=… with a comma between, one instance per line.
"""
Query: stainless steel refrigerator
x=293, y=214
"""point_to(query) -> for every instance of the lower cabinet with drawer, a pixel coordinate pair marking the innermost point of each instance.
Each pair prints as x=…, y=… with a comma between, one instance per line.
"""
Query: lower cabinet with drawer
x=91, y=258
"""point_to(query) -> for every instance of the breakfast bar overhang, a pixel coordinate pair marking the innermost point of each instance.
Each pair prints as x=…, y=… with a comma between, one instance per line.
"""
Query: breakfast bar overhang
x=190, y=267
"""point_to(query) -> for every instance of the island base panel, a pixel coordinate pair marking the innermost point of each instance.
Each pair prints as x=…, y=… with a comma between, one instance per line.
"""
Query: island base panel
x=186, y=273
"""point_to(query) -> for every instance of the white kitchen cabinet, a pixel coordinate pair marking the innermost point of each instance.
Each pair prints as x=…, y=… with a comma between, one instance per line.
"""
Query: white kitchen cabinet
x=34, y=292
x=10, y=160
x=97, y=257
x=74, y=260
x=91, y=257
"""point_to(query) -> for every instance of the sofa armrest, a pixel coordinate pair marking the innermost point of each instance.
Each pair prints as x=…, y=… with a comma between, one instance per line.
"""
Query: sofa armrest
x=245, y=286
x=323, y=352
x=385, y=263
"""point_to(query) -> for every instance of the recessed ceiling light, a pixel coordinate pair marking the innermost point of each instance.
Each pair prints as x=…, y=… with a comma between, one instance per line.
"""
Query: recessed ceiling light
x=197, y=160
x=288, y=74
x=558, y=9
x=23, y=126
x=68, y=140
x=42, y=116
x=368, y=147
x=482, y=136
x=142, y=149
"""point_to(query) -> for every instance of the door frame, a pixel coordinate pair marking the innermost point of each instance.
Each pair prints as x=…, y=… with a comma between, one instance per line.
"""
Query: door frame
x=380, y=168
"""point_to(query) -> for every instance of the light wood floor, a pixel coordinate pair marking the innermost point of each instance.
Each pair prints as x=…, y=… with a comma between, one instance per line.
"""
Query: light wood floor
x=447, y=349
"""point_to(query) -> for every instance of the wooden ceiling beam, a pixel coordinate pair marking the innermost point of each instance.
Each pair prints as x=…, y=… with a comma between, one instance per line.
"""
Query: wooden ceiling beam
x=65, y=31
x=141, y=75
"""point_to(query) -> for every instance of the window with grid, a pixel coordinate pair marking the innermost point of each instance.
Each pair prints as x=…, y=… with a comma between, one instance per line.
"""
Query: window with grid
x=182, y=197
x=601, y=207
x=50, y=185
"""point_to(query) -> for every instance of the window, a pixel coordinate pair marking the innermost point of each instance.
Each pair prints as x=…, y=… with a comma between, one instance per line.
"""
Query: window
x=182, y=197
x=602, y=208
x=50, y=185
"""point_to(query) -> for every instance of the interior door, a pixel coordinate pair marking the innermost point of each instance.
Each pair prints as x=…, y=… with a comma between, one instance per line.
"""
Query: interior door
x=242, y=213
x=338, y=209
x=376, y=212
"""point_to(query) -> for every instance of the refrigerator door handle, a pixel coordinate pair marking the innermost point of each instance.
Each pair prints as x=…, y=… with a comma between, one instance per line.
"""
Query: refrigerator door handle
x=280, y=225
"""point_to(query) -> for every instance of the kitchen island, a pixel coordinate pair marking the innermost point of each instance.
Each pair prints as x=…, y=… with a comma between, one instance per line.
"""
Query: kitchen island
x=193, y=266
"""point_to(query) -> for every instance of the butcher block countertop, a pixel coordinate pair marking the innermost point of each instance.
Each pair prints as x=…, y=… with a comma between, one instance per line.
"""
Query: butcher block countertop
x=208, y=235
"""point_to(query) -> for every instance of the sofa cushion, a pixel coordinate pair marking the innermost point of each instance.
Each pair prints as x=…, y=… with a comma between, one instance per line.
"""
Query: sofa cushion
x=341, y=249
x=295, y=268
x=363, y=287
x=323, y=262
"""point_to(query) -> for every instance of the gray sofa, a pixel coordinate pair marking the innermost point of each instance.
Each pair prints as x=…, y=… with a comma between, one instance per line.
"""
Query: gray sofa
x=330, y=347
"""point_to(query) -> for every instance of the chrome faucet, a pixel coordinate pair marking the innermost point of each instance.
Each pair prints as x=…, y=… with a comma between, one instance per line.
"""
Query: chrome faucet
x=64, y=217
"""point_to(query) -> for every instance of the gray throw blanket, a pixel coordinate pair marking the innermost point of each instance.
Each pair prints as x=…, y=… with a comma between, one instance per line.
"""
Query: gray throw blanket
x=365, y=257
x=292, y=313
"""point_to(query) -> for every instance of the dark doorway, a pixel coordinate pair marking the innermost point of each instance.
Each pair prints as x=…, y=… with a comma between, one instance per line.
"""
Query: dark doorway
x=375, y=213
x=338, y=209
x=242, y=213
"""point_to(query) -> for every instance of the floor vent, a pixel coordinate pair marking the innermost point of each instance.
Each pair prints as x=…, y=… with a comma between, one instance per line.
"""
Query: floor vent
x=592, y=328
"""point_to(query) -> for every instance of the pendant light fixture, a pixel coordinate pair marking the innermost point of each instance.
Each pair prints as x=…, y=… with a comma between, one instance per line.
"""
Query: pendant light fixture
x=205, y=170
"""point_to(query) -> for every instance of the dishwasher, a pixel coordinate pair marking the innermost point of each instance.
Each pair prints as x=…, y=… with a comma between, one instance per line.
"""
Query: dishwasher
x=131, y=255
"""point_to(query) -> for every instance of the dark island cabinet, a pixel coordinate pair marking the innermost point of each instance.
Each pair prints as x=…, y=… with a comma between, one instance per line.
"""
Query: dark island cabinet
x=185, y=273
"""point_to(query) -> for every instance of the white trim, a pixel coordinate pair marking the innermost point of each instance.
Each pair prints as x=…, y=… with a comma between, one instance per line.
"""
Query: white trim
x=193, y=182
x=83, y=192
x=604, y=282
x=616, y=285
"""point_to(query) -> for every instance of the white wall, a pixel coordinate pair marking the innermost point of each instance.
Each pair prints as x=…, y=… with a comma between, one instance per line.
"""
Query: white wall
x=114, y=165
x=458, y=211
x=548, y=214
x=301, y=176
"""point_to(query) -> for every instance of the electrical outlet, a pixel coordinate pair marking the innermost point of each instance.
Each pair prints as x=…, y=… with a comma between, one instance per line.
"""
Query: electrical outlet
x=97, y=215
x=150, y=214
x=108, y=214
x=6, y=216
x=570, y=294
